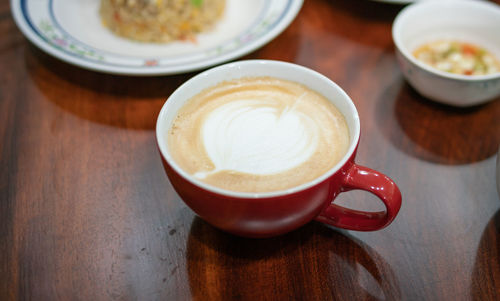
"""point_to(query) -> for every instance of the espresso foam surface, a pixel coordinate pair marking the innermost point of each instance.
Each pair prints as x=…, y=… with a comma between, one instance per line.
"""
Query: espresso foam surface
x=248, y=135
x=258, y=134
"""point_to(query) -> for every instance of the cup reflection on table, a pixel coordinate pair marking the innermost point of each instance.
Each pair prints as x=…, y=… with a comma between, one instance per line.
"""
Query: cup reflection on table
x=332, y=263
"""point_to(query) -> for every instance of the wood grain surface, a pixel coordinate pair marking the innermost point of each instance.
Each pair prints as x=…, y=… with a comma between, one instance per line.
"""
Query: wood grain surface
x=87, y=213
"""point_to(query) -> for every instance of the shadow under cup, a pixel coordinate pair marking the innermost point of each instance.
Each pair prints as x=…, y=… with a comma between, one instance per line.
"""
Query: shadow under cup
x=272, y=213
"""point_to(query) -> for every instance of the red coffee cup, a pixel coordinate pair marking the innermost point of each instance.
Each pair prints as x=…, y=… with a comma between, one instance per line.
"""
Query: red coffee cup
x=268, y=214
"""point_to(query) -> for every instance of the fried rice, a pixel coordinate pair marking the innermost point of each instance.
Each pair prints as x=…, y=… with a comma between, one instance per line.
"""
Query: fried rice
x=160, y=21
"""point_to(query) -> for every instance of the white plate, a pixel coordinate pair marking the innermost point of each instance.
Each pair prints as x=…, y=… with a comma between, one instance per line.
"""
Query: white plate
x=71, y=30
x=402, y=1
x=397, y=1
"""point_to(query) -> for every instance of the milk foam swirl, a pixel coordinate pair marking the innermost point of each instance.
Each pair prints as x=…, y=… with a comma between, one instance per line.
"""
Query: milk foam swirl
x=251, y=136
x=258, y=134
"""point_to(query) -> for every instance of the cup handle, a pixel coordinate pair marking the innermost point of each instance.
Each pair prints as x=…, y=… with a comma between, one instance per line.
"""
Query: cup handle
x=363, y=178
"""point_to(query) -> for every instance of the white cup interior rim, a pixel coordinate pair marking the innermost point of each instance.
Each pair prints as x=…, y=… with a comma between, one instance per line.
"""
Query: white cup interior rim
x=219, y=74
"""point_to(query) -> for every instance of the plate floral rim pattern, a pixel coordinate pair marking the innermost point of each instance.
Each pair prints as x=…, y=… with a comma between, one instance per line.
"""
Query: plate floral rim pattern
x=51, y=37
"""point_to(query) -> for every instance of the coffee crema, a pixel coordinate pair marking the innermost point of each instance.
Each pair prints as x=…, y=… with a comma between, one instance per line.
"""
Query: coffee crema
x=258, y=134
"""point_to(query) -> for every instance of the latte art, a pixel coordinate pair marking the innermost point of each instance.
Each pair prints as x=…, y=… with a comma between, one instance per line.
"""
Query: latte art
x=252, y=136
x=258, y=134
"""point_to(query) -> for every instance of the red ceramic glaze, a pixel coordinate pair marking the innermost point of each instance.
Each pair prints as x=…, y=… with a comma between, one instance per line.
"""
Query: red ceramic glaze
x=271, y=216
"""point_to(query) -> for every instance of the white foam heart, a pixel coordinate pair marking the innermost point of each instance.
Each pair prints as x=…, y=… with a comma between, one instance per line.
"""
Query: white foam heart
x=251, y=137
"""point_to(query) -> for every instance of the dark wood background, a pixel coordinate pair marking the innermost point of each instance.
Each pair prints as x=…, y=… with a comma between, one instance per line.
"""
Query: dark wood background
x=87, y=213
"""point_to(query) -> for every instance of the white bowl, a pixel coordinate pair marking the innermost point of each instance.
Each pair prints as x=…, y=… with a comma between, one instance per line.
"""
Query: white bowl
x=471, y=21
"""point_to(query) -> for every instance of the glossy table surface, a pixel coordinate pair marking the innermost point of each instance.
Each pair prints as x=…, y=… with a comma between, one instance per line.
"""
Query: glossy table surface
x=87, y=212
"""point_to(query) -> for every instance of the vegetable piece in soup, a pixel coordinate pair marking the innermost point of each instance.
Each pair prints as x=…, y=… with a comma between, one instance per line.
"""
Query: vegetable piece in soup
x=458, y=58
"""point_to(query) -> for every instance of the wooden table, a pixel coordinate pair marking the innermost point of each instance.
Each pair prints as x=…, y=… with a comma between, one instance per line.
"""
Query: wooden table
x=87, y=212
